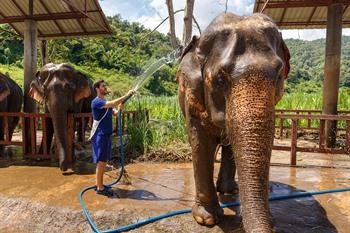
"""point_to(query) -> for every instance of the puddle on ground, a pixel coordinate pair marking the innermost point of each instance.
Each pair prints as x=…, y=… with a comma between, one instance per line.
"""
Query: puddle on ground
x=40, y=198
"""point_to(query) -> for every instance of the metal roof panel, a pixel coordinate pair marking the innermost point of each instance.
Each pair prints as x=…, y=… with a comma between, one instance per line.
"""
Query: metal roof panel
x=55, y=16
x=298, y=13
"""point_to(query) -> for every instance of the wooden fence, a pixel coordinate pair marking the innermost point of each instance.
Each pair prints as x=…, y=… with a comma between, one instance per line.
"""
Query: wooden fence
x=296, y=118
x=37, y=124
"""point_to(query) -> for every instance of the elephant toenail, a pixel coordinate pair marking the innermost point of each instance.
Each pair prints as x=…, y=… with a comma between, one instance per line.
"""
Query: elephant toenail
x=199, y=219
x=210, y=222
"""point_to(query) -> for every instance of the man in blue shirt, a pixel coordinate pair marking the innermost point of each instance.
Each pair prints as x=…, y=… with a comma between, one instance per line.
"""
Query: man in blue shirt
x=102, y=110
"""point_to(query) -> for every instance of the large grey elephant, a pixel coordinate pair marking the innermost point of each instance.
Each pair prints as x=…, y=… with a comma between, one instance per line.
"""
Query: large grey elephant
x=229, y=82
x=63, y=90
x=11, y=96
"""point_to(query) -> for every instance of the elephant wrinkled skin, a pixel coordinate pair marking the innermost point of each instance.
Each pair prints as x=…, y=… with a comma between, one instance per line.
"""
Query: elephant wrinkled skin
x=63, y=90
x=11, y=96
x=229, y=82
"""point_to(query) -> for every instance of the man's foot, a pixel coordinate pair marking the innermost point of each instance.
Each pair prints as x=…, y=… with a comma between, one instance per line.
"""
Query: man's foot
x=104, y=187
x=105, y=192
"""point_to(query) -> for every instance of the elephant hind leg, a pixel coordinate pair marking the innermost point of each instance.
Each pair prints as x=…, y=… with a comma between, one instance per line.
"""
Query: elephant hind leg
x=226, y=179
x=14, y=123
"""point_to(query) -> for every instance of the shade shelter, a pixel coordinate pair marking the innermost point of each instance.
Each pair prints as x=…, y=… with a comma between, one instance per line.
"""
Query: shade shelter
x=50, y=19
x=311, y=14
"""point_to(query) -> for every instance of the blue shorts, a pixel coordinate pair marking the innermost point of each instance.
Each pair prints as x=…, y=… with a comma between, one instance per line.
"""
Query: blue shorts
x=101, y=148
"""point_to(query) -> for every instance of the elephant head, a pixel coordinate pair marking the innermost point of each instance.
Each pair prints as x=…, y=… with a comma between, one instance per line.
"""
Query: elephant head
x=62, y=89
x=231, y=78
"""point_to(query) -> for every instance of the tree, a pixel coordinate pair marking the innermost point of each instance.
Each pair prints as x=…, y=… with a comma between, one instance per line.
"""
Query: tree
x=187, y=31
x=172, y=23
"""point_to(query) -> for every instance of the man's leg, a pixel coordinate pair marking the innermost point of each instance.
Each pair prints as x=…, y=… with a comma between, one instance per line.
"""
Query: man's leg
x=100, y=168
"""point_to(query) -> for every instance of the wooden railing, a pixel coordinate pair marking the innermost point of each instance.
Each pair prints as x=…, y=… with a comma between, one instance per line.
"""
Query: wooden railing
x=37, y=124
x=295, y=118
x=39, y=120
x=280, y=123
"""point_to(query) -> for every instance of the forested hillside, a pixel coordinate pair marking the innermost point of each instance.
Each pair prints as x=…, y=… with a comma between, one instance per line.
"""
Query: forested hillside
x=121, y=57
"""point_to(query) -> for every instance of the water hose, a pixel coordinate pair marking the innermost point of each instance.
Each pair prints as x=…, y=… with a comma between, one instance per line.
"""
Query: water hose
x=186, y=211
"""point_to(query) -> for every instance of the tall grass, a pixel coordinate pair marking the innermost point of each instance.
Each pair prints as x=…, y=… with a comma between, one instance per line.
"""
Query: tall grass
x=166, y=121
x=313, y=101
x=167, y=124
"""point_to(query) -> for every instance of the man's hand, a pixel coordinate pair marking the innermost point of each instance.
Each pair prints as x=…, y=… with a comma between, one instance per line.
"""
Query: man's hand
x=131, y=92
x=121, y=106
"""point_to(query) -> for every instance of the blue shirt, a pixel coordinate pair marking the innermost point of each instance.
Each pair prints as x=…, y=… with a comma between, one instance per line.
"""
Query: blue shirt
x=105, y=127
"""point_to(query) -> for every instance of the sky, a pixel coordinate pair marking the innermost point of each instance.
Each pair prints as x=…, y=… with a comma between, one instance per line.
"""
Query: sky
x=151, y=12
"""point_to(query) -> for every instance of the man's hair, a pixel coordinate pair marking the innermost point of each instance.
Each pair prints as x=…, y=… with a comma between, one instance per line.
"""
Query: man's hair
x=98, y=83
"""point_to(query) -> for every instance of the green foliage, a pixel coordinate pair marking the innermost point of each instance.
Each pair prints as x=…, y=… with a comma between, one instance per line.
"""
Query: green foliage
x=307, y=62
x=119, y=58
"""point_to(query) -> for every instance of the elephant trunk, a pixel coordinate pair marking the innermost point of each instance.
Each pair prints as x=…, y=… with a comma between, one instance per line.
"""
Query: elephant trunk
x=59, y=121
x=250, y=118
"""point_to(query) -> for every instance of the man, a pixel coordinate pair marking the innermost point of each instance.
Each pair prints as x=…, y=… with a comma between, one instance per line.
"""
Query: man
x=102, y=110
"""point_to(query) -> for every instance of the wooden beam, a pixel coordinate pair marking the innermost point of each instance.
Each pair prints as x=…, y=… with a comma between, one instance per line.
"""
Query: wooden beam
x=49, y=12
x=86, y=14
x=18, y=7
x=311, y=15
x=283, y=14
x=55, y=35
x=31, y=8
x=301, y=3
x=79, y=20
x=43, y=17
x=313, y=23
x=14, y=28
x=31, y=11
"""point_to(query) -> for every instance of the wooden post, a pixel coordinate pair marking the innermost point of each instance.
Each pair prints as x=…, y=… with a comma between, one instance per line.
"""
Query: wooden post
x=24, y=136
x=281, y=126
x=30, y=63
x=322, y=134
x=348, y=137
x=6, y=129
x=70, y=138
x=332, y=68
x=44, y=55
x=293, y=151
x=44, y=140
x=309, y=120
x=32, y=128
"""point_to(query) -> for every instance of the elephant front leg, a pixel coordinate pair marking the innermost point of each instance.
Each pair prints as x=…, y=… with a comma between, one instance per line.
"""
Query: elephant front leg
x=49, y=136
x=226, y=179
x=206, y=210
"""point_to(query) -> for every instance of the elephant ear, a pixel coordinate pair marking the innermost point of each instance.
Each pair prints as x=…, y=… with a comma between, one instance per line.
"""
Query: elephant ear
x=190, y=79
x=82, y=89
x=36, y=92
x=285, y=56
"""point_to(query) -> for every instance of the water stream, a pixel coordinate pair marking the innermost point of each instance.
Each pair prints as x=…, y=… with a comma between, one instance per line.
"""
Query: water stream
x=153, y=67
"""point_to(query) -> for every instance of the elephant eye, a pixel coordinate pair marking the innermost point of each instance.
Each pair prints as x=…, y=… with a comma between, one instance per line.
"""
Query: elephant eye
x=220, y=80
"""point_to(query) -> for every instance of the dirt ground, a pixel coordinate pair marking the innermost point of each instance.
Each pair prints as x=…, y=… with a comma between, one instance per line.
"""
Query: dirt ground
x=36, y=197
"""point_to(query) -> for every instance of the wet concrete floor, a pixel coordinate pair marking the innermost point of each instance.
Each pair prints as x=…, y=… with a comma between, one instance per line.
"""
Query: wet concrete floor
x=38, y=198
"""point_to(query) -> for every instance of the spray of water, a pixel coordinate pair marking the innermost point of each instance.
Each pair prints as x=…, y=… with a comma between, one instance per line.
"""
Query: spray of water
x=150, y=69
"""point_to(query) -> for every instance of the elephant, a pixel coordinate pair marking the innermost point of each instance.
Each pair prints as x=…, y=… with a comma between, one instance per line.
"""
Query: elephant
x=230, y=79
x=63, y=90
x=11, y=96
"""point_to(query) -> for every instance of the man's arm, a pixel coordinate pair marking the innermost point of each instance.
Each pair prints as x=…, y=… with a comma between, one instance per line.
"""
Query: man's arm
x=118, y=101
